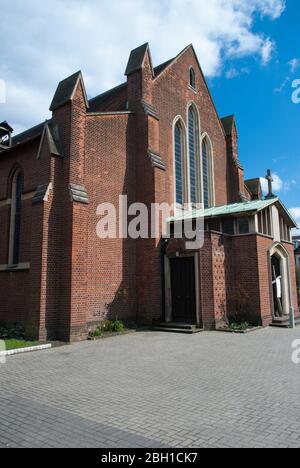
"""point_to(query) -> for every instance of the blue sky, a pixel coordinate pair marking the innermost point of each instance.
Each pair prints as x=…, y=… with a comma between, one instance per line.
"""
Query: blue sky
x=244, y=48
x=260, y=98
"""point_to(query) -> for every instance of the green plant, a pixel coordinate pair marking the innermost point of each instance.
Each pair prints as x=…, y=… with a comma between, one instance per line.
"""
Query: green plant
x=239, y=326
x=96, y=333
x=107, y=326
x=15, y=331
x=118, y=326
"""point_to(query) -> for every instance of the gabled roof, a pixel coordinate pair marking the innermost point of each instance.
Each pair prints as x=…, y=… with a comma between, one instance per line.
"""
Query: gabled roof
x=65, y=91
x=161, y=68
x=136, y=59
x=249, y=207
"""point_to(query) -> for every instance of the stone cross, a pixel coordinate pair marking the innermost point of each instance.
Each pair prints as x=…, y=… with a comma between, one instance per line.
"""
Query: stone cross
x=270, y=180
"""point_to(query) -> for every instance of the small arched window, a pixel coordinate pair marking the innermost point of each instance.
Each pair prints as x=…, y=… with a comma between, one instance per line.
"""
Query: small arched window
x=192, y=78
x=207, y=174
x=16, y=212
x=194, y=155
x=179, y=163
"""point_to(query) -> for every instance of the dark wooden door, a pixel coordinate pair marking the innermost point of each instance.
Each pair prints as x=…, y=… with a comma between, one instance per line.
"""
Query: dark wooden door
x=183, y=290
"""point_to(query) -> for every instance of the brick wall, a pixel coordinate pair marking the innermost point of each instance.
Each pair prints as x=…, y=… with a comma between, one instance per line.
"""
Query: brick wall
x=76, y=279
x=17, y=289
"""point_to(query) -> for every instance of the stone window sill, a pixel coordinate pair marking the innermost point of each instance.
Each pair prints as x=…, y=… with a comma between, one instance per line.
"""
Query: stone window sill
x=13, y=268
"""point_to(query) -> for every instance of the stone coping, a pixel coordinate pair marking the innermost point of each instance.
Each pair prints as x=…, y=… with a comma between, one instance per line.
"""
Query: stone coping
x=239, y=332
x=29, y=349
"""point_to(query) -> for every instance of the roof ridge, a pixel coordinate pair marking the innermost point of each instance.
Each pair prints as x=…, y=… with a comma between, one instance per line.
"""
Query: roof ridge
x=115, y=88
x=32, y=128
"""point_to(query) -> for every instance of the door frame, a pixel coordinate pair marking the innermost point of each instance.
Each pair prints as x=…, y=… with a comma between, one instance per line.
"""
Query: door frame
x=168, y=285
x=283, y=255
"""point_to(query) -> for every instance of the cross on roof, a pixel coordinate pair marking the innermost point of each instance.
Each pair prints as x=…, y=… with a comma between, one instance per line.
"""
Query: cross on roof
x=270, y=180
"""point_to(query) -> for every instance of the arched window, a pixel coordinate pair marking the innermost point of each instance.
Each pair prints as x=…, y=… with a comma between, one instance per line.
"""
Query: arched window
x=194, y=155
x=207, y=173
x=15, y=224
x=179, y=164
x=192, y=78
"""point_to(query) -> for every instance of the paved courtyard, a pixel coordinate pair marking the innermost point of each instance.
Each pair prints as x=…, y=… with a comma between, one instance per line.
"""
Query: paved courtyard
x=155, y=390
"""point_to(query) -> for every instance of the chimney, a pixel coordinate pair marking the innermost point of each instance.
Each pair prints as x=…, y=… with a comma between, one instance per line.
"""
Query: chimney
x=5, y=136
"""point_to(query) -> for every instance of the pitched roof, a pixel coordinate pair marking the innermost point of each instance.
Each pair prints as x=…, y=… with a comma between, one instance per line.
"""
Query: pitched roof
x=136, y=59
x=249, y=207
x=228, y=123
x=65, y=90
x=29, y=134
x=160, y=68
x=96, y=103
x=254, y=186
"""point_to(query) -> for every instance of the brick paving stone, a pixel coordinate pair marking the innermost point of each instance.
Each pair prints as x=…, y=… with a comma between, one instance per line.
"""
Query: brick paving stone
x=155, y=390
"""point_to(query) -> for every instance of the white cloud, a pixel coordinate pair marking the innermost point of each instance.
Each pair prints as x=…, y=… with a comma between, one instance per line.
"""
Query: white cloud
x=235, y=73
x=294, y=64
x=267, y=51
x=43, y=42
x=278, y=184
x=273, y=8
x=288, y=185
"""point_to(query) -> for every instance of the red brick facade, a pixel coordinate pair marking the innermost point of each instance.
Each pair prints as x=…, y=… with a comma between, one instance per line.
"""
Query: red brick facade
x=68, y=279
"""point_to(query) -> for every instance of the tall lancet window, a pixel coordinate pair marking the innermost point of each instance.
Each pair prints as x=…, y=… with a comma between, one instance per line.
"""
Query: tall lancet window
x=193, y=155
x=16, y=212
x=179, y=164
x=207, y=174
x=192, y=78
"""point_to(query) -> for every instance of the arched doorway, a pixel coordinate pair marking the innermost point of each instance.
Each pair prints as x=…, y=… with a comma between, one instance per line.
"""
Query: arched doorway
x=280, y=279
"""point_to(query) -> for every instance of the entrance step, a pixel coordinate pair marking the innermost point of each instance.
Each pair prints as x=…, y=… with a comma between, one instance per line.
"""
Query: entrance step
x=177, y=328
x=283, y=322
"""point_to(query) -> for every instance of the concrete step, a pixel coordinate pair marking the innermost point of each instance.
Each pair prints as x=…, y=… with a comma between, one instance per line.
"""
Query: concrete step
x=177, y=328
x=183, y=326
x=283, y=322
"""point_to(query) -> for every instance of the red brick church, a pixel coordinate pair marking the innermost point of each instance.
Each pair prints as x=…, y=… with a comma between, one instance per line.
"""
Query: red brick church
x=155, y=138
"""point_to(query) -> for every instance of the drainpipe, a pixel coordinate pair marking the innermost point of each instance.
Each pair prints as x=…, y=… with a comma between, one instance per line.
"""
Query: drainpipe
x=292, y=317
x=163, y=249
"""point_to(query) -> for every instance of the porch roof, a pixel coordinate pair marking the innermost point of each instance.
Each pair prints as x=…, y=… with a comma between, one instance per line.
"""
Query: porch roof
x=247, y=207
